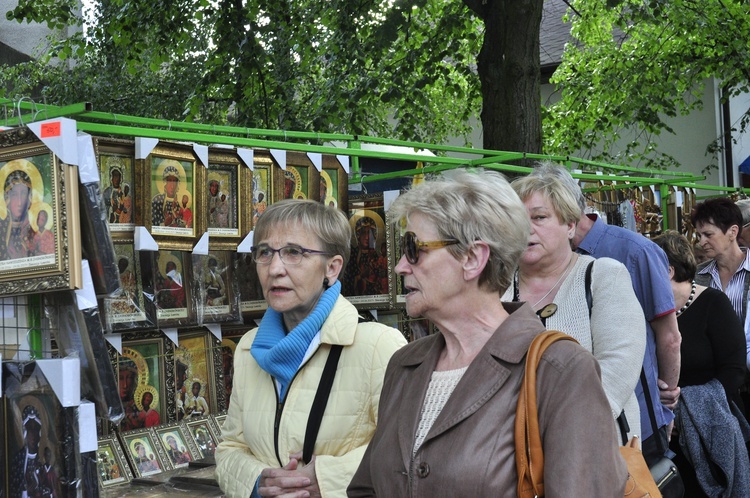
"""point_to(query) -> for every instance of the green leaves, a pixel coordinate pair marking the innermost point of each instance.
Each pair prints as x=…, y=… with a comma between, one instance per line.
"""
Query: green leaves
x=618, y=87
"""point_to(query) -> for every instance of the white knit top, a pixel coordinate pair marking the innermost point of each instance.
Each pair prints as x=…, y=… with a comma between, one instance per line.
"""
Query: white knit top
x=615, y=334
x=440, y=389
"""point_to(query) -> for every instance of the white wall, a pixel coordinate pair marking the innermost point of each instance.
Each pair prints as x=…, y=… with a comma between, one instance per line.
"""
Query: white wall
x=29, y=38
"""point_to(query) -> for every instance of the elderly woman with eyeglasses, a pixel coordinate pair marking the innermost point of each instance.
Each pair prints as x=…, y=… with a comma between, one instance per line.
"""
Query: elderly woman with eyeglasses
x=590, y=299
x=451, y=397
x=272, y=445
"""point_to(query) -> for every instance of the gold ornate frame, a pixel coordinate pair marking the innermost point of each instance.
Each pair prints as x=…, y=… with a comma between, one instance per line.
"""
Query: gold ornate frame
x=296, y=181
x=154, y=451
x=204, y=448
x=110, y=446
x=200, y=354
x=118, y=154
x=368, y=278
x=182, y=438
x=261, y=185
x=39, y=266
x=234, y=181
x=150, y=171
x=159, y=351
x=336, y=183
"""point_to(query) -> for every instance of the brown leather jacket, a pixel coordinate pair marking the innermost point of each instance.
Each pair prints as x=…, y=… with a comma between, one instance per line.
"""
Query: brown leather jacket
x=470, y=449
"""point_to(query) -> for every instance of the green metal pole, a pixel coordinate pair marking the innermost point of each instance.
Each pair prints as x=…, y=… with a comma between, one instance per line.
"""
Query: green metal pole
x=664, y=195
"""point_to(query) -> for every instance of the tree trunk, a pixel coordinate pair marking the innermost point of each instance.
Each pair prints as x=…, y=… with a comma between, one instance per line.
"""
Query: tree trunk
x=508, y=67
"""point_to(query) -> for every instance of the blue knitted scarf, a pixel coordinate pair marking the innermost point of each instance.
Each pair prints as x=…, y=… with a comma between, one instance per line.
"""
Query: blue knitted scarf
x=279, y=353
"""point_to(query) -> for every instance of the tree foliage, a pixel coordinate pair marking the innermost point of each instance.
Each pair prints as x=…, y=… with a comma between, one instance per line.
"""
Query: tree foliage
x=403, y=69
x=635, y=65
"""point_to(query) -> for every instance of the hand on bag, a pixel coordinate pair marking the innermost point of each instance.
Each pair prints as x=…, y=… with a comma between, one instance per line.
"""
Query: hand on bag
x=668, y=396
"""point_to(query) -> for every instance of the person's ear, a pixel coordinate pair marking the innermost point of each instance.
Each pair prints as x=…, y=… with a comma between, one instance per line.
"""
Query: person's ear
x=334, y=266
x=671, y=272
x=732, y=232
x=475, y=259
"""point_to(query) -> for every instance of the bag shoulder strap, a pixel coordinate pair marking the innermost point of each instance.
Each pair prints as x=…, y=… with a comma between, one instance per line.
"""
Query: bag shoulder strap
x=529, y=451
x=320, y=402
x=587, y=281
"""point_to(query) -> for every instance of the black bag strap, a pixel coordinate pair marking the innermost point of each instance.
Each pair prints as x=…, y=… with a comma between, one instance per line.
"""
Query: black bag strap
x=587, y=280
x=320, y=402
x=622, y=420
x=651, y=413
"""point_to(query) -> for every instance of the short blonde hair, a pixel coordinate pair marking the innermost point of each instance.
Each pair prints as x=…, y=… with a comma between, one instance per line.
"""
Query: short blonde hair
x=328, y=224
x=546, y=181
x=473, y=206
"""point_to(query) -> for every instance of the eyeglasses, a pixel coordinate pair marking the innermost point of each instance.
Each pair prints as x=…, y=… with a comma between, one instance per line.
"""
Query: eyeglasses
x=411, y=245
x=290, y=255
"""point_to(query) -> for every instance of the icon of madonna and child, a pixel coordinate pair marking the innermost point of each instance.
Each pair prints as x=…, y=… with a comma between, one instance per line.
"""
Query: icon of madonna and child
x=26, y=217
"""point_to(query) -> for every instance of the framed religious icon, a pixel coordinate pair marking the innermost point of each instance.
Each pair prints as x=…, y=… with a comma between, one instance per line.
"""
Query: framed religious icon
x=331, y=183
x=252, y=303
x=39, y=434
x=145, y=455
x=226, y=187
x=367, y=279
x=127, y=310
x=203, y=437
x=145, y=379
x=294, y=182
x=167, y=280
x=218, y=423
x=229, y=341
x=116, y=160
x=40, y=239
x=177, y=444
x=261, y=185
x=216, y=288
x=172, y=183
x=111, y=464
x=196, y=362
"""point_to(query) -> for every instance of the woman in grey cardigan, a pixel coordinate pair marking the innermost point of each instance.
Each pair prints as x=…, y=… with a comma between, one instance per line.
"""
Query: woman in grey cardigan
x=552, y=278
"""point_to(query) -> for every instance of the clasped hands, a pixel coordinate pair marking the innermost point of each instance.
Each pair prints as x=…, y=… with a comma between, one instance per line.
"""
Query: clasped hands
x=293, y=480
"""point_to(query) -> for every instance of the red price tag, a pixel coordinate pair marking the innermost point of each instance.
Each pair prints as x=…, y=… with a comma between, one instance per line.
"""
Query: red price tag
x=51, y=129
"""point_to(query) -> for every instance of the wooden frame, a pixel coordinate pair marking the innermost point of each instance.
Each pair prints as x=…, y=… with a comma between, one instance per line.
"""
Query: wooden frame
x=296, y=180
x=226, y=190
x=368, y=279
x=37, y=183
x=112, y=466
x=145, y=366
x=331, y=184
x=32, y=406
x=261, y=185
x=116, y=160
x=169, y=206
x=217, y=300
x=127, y=311
x=183, y=451
x=145, y=455
x=195, y=363
x=204, y=438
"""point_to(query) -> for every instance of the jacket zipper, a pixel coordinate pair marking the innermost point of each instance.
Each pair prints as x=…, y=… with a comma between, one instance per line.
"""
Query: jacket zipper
x=279, y=410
